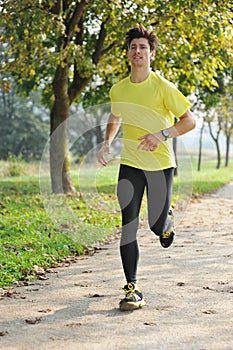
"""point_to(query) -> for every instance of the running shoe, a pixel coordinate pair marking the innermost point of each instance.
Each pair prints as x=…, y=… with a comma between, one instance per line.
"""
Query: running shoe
x=167, y=238
x=133, y=298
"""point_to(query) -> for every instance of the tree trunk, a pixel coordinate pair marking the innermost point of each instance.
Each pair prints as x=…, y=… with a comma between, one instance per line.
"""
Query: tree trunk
x=218, y=154
x=59, y=161
x=99, y=135
x=200, y=146
x=228, y=137
x=174, y=141
x=216, y=141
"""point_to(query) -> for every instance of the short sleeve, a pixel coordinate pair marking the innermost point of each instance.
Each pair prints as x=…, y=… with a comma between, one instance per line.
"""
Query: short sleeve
x=114, y=105
x=175, y=101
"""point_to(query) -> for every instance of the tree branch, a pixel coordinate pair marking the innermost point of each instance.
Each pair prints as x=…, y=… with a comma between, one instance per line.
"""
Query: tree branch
x=97, y=54
x=78, y=85
x=77, y=16
x=108, y=48
x=79, y=82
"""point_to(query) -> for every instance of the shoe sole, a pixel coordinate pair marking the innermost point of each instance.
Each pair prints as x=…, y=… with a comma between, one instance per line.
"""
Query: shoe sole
x=164, y=245
x=130, y=306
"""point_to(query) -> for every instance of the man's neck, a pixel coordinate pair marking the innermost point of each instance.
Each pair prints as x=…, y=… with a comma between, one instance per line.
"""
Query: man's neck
x=139, y=74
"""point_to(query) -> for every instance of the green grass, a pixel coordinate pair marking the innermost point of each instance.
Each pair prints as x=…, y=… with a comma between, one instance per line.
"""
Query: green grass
x=209, y=178
x=41, y=229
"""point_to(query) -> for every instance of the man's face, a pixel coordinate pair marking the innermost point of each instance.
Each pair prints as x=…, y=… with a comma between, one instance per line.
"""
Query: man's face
x=139, y=52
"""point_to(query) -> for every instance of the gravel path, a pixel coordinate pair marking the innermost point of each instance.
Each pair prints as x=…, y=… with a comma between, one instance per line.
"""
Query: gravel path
x=188, y=289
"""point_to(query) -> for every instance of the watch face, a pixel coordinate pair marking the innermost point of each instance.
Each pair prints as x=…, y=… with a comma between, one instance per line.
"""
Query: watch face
x=165, y=133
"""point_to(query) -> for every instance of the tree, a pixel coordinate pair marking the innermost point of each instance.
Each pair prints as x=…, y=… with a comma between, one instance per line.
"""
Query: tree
x=200, y=145
x=217, y=107
x=225, y=110
x=65, y=45
x=24, y=125
x=213, y=117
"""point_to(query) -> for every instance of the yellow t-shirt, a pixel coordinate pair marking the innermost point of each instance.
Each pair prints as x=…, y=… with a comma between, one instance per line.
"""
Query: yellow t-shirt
x=147, y=107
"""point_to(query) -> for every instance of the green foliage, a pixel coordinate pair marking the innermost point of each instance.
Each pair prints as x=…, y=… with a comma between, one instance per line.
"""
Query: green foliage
x=15, y=165
x=24, y=125
x=195, y=40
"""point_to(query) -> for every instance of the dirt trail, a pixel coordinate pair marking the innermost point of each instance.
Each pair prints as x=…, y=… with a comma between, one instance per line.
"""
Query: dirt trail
x=188, y=289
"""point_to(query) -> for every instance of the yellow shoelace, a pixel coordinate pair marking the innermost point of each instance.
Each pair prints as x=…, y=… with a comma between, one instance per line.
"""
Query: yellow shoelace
x=166, y=235
x=130, y=291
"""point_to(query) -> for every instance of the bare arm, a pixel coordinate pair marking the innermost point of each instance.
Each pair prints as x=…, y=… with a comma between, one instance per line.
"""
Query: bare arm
x=186, y=123
x=151, y=141
x=113, y=126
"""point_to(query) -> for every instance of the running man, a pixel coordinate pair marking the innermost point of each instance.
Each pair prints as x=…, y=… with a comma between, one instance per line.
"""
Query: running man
x=146, y=105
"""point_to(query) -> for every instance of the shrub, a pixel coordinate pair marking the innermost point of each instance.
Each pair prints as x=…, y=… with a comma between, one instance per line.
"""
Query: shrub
x=15, y=165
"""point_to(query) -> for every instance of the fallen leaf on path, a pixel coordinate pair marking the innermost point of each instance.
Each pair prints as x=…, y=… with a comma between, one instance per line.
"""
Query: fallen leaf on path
x=150, y=324
x=52, y=270
x=43, y=278
x=209, y=312
x=38, y=270
x=87, y=271
x=83, y=284
x=164, y=307
x=89, y=251
x=221, y=282
x=44, y=310
x=6, y=292
x=33, y=320
x=32, y=289
x=180, y=284
x=2, y=333
x=208, y=288
x=74, y=324
x=95, y=295
x=54, y=267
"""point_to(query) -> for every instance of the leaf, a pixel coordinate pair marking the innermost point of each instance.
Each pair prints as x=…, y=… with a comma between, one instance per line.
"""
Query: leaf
x=33, y=320
x=43, y=278
x=6, y=292
x=2, y=333
x=38, y=270
x=180, y=284
x=74, y=324
x=209, y=312
x=95, y=295
x=45, y=310
x=208, y=288
x=150, y=323
x=87, y=271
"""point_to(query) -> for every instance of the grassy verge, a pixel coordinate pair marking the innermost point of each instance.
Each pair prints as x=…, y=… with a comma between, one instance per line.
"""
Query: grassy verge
x=41, y=230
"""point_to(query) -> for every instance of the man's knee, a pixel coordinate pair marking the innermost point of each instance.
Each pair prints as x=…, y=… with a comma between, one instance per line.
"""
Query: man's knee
x=129, y=231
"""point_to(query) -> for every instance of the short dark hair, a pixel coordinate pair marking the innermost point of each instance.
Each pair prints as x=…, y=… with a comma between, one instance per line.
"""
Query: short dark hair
x=142, y=32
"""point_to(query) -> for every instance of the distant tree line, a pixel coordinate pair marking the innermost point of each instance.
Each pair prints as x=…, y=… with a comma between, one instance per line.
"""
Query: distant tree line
x=216, y=109
x=24, y=124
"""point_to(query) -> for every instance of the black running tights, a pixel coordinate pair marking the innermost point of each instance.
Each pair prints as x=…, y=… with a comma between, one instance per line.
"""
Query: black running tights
x=132, y=183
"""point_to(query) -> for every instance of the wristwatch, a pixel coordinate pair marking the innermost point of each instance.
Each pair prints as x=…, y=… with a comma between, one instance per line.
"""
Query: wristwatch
x=165, y=133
